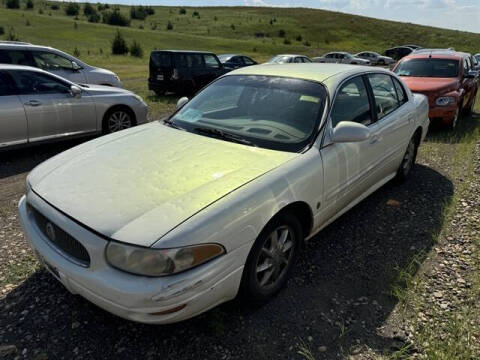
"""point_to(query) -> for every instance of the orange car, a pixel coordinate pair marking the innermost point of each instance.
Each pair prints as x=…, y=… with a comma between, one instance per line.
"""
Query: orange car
x=446, y=78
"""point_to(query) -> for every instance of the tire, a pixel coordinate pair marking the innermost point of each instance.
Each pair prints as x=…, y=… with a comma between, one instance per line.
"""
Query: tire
x=409, y=158
x=269, y=263
x=160, y=92
x=118, y=118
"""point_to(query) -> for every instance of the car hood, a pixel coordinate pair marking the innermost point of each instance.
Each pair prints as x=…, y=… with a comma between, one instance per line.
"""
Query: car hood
x=136, y=185
x=430, y=85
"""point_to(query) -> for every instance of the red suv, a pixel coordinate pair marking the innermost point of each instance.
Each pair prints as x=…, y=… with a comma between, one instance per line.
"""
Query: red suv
x=446, y=77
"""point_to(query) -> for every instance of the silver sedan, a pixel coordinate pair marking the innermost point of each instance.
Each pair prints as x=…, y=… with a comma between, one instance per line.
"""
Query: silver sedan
x=38, y=106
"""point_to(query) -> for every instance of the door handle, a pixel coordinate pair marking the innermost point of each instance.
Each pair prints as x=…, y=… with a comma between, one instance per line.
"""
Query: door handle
x=33, y=103
x=375, y=138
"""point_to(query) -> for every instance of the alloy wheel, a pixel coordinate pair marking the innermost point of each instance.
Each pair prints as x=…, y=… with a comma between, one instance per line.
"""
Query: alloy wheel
x=119, y=120
x=275, y=257
x=409, y=157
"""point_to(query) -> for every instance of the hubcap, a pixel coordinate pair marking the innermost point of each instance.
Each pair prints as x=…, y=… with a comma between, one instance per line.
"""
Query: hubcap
x=119, y=120
x=275, y=257
x=409, y=156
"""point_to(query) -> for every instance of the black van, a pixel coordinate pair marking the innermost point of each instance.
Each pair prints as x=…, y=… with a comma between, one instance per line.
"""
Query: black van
x=182, y=72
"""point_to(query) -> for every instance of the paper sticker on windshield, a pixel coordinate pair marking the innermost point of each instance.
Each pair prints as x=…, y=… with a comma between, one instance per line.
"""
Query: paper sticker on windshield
x=313, y=99
x=190, y=115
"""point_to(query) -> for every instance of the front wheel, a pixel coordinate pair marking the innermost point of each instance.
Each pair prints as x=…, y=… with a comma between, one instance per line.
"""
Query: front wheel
x=116, y=120
x=408, y=159
x=272, y=258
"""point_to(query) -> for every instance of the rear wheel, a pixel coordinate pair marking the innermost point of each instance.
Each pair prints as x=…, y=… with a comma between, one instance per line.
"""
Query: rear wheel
x=409, y=158
x=272, y=258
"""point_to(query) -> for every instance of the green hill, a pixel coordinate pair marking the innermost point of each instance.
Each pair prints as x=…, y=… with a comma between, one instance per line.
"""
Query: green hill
x=258, y=32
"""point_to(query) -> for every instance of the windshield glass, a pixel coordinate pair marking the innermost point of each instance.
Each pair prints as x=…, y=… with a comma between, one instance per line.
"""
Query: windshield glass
x=439, y=68
x=270, y=112
x=279, y=59
x=223, y=58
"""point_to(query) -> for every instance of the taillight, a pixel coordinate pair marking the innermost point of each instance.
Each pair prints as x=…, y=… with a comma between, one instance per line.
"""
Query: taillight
x=175, y=74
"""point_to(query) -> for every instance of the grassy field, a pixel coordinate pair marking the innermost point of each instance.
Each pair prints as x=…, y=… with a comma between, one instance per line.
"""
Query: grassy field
x=252, y=31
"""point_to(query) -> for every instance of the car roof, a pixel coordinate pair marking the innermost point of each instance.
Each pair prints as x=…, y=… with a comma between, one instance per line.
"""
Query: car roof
x=435, y=55
x=311, y=71
x=22, y=45
x=185, y=51
x=289, y=55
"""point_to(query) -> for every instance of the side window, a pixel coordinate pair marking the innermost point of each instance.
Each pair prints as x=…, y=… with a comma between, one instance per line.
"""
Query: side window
x=298, y=59
x=50, y=61
x=340, y=56
x=306, y=60
x=352, y=104
x=15, y=57
x=235, y=60
x=190, y=60
x=384, y=93
x=402, y=96
x=329, y=56
x=210, y=61
x=6, y=85
x=248, y=61
x=32, y=82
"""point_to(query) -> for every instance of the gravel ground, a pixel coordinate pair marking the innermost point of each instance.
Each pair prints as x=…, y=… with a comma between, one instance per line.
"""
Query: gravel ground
x=337, y=304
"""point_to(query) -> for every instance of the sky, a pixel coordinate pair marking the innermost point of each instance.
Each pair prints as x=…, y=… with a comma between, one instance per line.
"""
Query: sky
x=452, y=14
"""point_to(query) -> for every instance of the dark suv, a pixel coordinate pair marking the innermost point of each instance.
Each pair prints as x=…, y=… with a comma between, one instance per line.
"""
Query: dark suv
x=182, y=72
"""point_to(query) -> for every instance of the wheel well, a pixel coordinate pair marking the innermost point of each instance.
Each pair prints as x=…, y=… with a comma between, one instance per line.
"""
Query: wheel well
x=118, y=107
x=304, y=214
x=418, y=135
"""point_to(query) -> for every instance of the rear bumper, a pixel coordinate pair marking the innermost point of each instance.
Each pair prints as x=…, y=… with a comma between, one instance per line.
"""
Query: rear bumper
x=129, y=296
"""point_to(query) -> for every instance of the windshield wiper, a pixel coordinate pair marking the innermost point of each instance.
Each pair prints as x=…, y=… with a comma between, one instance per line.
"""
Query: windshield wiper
x=224, y=135
x=170, y=123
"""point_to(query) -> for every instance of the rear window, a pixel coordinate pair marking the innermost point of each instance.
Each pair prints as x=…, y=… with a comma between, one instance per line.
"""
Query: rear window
x=16, y=57
x=439, y=68
x=161, y=59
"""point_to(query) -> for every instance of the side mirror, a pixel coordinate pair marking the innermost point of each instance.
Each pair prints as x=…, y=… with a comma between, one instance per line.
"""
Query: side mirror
x=181, y=102
x=75, y=66
x=76, y=92
x=472, y=74
x=348, y=131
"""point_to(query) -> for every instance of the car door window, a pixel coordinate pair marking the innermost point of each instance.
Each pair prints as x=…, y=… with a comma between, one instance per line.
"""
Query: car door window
x=298, y=59
x=329, y=56
x=6, y=85
x=211, y=61
x=32, y=82
x=15, y=57
x=306, y=60
x=50, y=61
x=401, y=94
x=248, y=61
x=352, y=103
x=384, y=94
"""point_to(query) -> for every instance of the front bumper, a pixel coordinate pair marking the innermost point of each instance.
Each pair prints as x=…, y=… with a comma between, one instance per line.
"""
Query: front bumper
x=442, y=114
x=130, y=296
x=141, y=113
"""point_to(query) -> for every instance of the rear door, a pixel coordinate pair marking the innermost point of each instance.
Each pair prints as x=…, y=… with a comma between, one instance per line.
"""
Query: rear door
x=58, y=65
x=395, y=121
x=13, y=121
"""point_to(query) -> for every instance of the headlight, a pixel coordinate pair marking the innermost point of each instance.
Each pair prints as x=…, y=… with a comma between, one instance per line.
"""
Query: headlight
x=160, y=262
x=116, y=77
x=28, y=187
x=445, y=100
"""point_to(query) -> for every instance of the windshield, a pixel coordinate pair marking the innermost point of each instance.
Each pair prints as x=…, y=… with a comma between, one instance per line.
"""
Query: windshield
x=223, y=58
x=279, y=59
x=439, y=68
x=265, y=111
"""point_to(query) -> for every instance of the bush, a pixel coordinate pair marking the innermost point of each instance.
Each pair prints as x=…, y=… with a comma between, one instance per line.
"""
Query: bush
x=307, y=43
x=88, y=9
x=27, y=23
x=94, y=17
x=102, y=7
x=54, y=7
x=182, y=11
x=299, y=38
x=232, y=27
x=281, y=33
x=40, y=11
x=119, y=45
x=138, y=12
x=72, y=9
x=196, y=13
x=13, y=4
x=136, y=49
x=76, y=52
x=12, y=35
x=29, y=4
x=75, y=25
x=150, y=10
x=286, y=41
x=169, y=26
x=2, y=30
x=115, y=18
x=215, y=18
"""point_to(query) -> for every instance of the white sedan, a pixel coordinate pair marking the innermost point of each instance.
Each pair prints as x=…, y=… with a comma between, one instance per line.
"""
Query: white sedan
x=164, y=221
